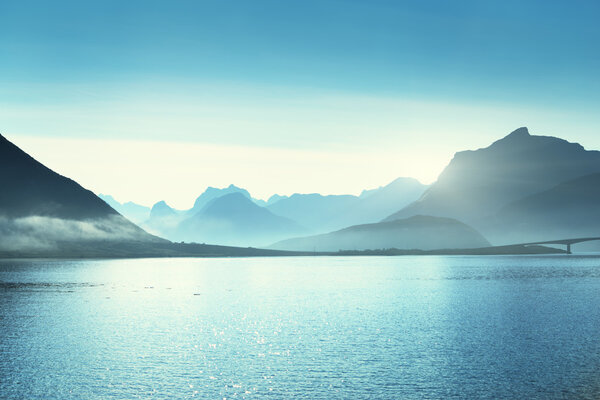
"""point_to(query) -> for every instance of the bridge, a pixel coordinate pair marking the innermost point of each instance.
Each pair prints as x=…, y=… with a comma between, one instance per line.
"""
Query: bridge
x=566, y=242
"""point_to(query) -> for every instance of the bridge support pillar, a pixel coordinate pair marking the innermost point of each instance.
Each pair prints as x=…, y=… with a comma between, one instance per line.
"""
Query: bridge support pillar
x=569, y=248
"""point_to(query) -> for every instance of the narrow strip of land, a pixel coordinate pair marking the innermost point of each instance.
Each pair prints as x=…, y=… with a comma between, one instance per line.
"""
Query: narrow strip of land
x=111, y=249
x=566, y=242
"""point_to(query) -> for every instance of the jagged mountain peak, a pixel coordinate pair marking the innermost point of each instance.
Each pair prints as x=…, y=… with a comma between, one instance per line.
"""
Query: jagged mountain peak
x=519, y=132
x=212, y=193
x=161, y=209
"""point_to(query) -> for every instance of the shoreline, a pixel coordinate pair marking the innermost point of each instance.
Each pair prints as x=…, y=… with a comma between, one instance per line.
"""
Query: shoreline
x=189, y=250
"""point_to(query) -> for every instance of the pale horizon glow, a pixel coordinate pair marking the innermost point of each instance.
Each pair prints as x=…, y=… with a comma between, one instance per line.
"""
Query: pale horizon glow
x=171, y=146
x=179, y=172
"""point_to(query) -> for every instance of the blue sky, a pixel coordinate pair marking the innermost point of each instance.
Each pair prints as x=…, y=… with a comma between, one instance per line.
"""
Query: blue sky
x=467, y=49
x=343, y=77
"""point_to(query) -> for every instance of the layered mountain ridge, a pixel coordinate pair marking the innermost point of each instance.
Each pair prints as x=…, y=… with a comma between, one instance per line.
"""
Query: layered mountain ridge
x=478, y=187
x=522, y=188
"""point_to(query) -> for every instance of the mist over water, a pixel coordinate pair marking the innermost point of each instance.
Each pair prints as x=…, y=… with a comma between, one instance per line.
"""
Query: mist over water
x=318, y=328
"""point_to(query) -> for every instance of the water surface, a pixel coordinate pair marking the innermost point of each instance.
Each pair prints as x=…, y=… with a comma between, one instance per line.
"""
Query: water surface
x=499, y=327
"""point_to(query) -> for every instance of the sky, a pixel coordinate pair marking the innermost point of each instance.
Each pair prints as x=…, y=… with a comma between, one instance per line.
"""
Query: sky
x=156, y=100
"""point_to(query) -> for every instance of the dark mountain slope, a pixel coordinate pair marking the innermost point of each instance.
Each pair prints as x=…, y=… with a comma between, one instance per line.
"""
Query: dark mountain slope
x=42, y=210
x=30, y=188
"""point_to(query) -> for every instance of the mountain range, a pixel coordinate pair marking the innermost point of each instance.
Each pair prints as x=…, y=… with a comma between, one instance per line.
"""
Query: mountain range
x=323, y=213
x=521, y=188
x=44, y=214
x=245, y=221
x=234, y=219
x=226, y=216
x=511, y=191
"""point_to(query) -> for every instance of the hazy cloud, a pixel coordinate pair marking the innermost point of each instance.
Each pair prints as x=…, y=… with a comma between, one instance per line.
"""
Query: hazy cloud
x=39, y=232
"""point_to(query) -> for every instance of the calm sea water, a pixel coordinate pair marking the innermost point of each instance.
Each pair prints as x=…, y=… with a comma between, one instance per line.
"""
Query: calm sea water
x=317, y=328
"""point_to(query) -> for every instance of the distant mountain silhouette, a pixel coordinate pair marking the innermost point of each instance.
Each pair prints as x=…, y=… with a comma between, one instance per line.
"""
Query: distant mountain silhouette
x=570, y=209
x=212, y=193
x=477, y=184
x=40, y=208
x=417, y=232
x=376, y=203
x=163, y=220
x=317, y=212
x=275, y=198
x=130, y=210
x=162, y=209
x=234, y=219
x=322, y=213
